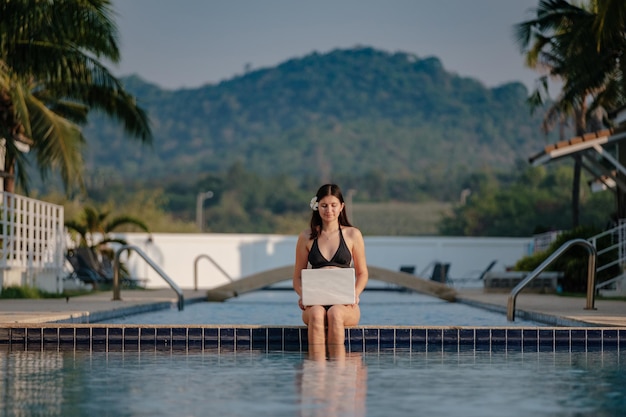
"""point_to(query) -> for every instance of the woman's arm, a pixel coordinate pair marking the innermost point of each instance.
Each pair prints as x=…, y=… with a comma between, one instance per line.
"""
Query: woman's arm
x=358, y=256
x=302, y=255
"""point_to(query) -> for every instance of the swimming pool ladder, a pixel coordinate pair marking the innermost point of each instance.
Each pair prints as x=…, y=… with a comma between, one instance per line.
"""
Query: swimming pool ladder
x=157, y=269
x=195, y=269
x=591, y=275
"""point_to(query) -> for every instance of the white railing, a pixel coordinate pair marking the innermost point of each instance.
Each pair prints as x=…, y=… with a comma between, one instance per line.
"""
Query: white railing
x=613, y=240
x=33, y=242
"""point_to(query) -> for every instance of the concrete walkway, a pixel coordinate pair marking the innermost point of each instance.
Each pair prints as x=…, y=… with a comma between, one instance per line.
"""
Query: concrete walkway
x=550, y=309
x=92, y=307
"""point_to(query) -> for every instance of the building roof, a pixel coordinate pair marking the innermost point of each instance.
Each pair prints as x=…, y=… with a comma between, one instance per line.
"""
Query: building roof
x=593, y=156
x=577, y=144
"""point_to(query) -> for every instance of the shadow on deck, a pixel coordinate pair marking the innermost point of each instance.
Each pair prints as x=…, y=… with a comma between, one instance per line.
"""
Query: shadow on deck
x=266, y=278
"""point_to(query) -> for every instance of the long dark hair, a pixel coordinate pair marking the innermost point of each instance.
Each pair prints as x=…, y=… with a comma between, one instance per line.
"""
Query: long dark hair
x=316, y=219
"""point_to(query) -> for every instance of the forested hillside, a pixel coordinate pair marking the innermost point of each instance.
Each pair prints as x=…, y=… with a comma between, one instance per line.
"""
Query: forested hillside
x=393, y=125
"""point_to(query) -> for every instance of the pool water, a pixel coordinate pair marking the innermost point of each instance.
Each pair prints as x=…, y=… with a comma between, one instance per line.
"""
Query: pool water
x=378, y=308
x=257, y=383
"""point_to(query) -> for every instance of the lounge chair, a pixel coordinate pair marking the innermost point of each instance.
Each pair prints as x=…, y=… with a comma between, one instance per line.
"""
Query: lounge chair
x=478, y=278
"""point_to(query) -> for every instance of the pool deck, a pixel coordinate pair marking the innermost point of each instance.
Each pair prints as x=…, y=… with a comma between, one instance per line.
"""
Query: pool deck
x=550, y=309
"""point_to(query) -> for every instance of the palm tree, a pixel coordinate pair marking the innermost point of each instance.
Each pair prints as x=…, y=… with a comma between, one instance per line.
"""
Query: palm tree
x=562, y=40
x=610, y=33
x=51, y=77
x=94, y=224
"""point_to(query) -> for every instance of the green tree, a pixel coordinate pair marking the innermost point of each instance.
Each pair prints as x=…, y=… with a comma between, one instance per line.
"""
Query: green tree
x=549, y=43
x=531, y=203
x=610, y=31
x=582, y=47
x=94, y=227
x=51, y=77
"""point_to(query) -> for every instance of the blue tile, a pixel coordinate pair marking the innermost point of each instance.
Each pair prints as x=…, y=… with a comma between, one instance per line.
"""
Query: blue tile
x=131, y=338
x=179, y=334
x=292, y=342
x=227, y=339
x=371, y=336
x=483, y=340
x=498, y=338
x=609, y=339
x=131, y=334
x=275, y=338
x=163, y=337
x=403, y=338
x=5, y=335
x=147, y=336
x=546, y=340
x=83, y=335
x=514, y=339
x=114, y=338
x=578, y=339
x=34, y=335
x=467, y=338
x=259, y=338
x=18, y=335
x=562, y=340
x=451, y=337
x=387, y=338
x=418, y=340
x=594, y=338
x=179, y=338
x=434, y=339
x=194, y=334
x=98, y=337
x=243, y=339
x=51, y=335
x=211, y=338
x=355, y=340
x=530, y=340
x=66, y=336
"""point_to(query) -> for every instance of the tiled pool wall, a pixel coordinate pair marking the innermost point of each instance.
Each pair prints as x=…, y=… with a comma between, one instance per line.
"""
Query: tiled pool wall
x=275, y=338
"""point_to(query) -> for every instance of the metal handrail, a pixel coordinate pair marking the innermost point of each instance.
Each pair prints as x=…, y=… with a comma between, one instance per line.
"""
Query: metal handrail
x=158, y=270
x=619, y=245
x=591, y=275
x=195, y=269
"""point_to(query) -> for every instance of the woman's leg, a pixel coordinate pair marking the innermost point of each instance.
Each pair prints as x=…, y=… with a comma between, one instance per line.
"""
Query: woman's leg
x=315, y=319
x=338, y=317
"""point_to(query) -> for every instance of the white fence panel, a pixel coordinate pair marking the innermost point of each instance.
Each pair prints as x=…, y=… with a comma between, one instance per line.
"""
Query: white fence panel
x=33, y=242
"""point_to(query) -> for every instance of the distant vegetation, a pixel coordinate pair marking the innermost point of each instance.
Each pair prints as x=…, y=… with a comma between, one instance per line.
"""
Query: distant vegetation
x=409, y=137
x=359, y=117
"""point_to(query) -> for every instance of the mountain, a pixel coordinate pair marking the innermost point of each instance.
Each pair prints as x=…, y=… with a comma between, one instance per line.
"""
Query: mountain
x=347, y=113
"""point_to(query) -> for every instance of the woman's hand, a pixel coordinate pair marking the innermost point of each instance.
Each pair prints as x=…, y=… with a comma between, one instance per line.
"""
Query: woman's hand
x=300, y=304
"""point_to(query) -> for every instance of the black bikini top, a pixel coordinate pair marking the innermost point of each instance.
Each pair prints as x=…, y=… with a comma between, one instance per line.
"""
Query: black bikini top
x=341, y=259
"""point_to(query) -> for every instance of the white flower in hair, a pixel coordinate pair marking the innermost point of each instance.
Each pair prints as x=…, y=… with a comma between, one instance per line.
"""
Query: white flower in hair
x=314, y=203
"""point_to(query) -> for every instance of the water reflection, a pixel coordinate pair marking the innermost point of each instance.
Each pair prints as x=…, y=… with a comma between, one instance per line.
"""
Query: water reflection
x=333, y=383
x=332, y=386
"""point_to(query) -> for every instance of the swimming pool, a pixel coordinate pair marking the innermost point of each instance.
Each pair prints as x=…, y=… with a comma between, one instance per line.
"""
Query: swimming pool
x=431, y=358
x=260, y=383
x=391, y=308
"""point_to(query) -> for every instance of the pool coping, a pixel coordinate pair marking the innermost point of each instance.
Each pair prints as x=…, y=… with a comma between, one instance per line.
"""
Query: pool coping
x=80, y=330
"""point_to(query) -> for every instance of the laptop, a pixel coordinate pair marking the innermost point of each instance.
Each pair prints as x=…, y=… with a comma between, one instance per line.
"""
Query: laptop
x=328, y=286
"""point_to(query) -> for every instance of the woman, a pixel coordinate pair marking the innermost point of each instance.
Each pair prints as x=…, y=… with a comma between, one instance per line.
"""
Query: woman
x=330, y=242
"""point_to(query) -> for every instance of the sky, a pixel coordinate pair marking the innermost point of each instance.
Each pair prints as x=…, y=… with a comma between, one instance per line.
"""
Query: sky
x=190, y=43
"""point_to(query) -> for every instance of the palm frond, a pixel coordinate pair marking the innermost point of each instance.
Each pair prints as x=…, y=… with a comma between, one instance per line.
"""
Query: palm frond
x=125, y=220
